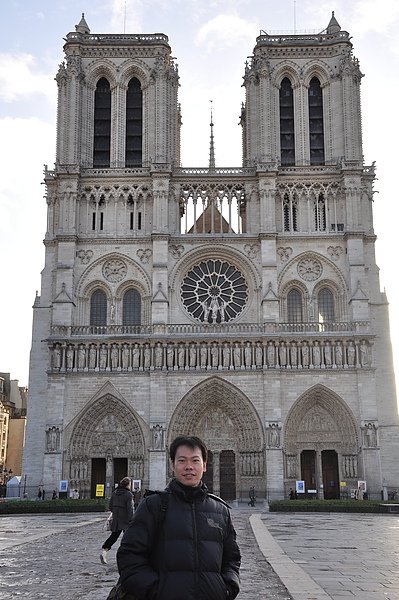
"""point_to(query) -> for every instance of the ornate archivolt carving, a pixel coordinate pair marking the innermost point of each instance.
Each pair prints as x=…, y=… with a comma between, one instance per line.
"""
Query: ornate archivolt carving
x=320, y=419
x=222, y=415
x=106, y=428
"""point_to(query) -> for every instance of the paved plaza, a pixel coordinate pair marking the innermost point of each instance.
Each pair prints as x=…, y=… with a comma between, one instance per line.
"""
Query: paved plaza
x=285, y=556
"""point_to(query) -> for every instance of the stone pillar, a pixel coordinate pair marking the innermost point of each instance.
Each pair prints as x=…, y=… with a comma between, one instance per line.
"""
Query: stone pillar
x=216, y=473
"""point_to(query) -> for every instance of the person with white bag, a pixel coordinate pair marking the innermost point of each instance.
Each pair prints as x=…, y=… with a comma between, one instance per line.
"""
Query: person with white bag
x=122, y=508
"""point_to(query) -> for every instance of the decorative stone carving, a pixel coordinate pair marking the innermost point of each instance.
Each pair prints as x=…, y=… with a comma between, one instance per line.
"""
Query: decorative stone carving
x=284, y=253
x=335, y=252
x=369, y=435
x=251, y=250
x=114, y=270
x=85, y=256
x=176, y=250
x=157, y=437
x=273, y=435
x=53, y=440
x=310, y=269
x=281, y=354
x=144, y=255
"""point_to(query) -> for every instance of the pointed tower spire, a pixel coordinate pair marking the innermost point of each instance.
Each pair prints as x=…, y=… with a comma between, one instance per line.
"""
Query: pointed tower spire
x=82, y=27
x=212, y=146
x=333, y=26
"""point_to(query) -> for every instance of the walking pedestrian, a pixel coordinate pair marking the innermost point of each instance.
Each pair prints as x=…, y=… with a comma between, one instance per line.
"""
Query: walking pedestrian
x=191, y=551
x=121, y=506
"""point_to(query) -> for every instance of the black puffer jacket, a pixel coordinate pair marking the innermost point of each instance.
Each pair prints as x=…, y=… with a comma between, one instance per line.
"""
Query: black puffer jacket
x=121, y=505
x=190, y=554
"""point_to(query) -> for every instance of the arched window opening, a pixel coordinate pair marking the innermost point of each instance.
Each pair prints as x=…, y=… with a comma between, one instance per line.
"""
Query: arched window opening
x=134, y=124
x=320, y=213
x=102, y=124
x=98, y=308
x=131, y=308
x=294, y=307
x=290, y=212
x=325, y=302
x=287, y=136
x=316, y=125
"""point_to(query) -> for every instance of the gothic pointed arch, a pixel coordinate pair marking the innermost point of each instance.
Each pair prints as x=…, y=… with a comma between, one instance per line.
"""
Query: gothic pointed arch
x=220, y=413
x=106, y=428
x=320, y=419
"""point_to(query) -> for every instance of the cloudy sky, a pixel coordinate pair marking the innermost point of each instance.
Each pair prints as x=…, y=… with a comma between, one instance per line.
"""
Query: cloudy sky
x=211, y=40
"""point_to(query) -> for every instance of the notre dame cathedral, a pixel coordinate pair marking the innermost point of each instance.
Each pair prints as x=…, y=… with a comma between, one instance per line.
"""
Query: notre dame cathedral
x=239, y=304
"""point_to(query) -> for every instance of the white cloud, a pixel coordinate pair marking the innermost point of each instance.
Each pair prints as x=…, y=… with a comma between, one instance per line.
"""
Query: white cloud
x=19, y=78
x=225, y=31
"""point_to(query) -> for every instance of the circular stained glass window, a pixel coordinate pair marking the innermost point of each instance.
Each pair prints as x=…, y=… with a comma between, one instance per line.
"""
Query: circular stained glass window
x=214, y=291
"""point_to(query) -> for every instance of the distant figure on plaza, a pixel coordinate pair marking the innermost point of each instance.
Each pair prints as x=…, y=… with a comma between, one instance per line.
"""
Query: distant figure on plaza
x=39, y=494
x=54, y=496
x=293, y=495
x=252, y=496
x=122, y=508
x=43, y=493
x=75, y=494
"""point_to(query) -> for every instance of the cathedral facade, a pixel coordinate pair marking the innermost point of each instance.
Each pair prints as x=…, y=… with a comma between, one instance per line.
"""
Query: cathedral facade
x=239, y=304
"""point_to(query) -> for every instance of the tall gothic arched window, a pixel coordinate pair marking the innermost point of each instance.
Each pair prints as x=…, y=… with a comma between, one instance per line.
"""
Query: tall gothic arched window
x=131, y=308
x=287, y=138
x=290, y=212
x=316, y=124
x=320, y=213
x=294, y=306
x=102, y=124
x=325, y=302
x=98, y=308
x=134, y=124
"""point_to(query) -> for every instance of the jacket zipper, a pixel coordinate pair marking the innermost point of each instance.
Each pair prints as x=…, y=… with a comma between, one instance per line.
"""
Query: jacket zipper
x=195, y=550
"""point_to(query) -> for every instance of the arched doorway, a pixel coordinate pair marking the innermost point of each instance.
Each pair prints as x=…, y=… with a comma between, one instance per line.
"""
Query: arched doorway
x=320, y=444
x=225, y=419
x=106, y=443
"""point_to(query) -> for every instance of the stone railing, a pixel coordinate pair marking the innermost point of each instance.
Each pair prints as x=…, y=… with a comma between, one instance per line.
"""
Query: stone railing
x=208, y=329
x=216, y=355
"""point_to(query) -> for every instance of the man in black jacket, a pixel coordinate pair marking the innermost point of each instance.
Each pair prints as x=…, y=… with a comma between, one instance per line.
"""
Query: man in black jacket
x=188, y=552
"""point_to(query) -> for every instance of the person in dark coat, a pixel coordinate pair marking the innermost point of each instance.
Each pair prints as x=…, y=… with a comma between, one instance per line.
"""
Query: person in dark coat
x=188, y=552
x=121, y=506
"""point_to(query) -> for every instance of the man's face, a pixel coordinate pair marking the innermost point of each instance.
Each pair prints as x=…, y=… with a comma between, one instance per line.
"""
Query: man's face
x=188, y=466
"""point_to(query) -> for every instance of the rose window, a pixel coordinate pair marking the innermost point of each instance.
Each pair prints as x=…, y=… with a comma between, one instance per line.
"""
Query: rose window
x=214, y=291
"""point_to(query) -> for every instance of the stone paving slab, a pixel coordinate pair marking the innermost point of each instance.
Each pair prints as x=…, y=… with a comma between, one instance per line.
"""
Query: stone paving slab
x=57, y=556
x=348, y=556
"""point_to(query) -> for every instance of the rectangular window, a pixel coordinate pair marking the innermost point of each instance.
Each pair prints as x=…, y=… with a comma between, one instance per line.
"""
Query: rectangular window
x=93, y=222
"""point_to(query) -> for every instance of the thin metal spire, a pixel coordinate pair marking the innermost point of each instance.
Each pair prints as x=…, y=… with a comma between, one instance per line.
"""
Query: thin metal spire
x=212, y=165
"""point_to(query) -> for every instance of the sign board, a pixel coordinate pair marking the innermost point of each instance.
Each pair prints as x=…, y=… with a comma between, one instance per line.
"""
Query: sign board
x=63, y=487
x=136, y=485
x=300, y=487
x=100, y=490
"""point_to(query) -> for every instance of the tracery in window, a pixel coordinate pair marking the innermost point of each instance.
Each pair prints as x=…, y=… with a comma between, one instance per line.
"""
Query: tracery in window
x=290, y=212
x=320, y=213
x=134, y=124
x=287, y=136
x=316, y=125
x=98, y=308
x=102, y=124
x=325, y=303
x=294, y=306
x=131, y=308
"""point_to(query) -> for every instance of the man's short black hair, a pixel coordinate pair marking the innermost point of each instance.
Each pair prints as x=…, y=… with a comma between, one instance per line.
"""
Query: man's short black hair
x=192, y=442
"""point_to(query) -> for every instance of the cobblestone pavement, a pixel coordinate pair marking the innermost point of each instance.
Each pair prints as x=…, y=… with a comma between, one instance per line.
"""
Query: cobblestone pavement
x=57, y=556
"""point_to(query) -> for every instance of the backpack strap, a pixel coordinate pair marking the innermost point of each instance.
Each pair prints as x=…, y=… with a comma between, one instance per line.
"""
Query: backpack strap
x=218, y=499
